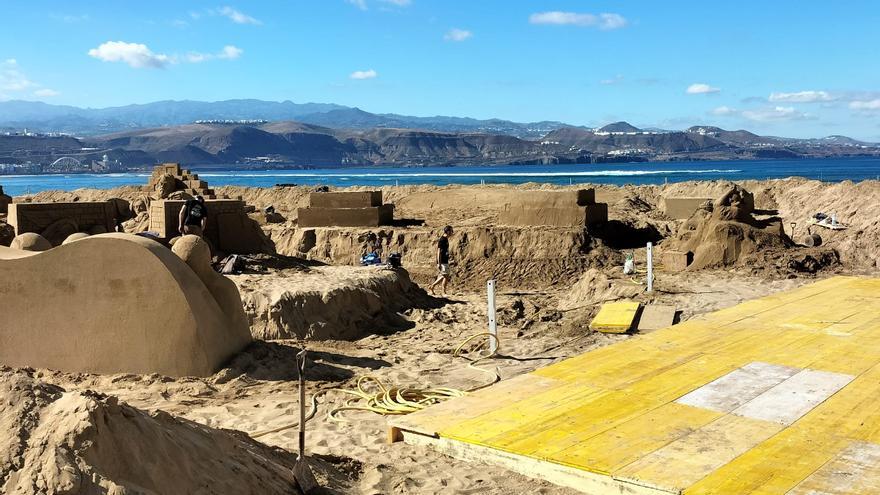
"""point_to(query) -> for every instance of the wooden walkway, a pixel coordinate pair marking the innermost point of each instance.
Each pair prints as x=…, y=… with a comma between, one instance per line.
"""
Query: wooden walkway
x=780, y=395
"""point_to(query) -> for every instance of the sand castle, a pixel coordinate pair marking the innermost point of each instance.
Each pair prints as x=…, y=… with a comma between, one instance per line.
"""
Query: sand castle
x=346, y=209
x=722, y=233
x=119, y=303
x=56, y=221
x=169, y=178
x=554, y=208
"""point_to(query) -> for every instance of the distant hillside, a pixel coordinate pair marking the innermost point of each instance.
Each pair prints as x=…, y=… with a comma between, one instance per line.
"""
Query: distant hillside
x=87, y=121
x=619, y=127
x=361, y=143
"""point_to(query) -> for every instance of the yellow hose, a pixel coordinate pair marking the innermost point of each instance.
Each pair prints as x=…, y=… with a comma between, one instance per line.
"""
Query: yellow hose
x=384, y=400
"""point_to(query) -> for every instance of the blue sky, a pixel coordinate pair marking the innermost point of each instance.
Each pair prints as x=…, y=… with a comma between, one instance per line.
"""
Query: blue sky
x=781, y=67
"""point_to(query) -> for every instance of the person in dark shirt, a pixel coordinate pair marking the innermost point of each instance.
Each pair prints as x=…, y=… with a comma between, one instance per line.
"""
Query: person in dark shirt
x=193, y=217
x=442, y=261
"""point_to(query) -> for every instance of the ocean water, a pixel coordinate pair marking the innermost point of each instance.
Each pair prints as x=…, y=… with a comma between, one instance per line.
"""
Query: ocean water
x=830, y=170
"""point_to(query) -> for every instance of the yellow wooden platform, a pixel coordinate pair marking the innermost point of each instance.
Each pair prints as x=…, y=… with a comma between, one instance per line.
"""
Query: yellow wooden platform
x=773, y=396
x=615, y=317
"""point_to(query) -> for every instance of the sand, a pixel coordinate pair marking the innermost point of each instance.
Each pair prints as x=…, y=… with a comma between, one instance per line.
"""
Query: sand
x=551, y=283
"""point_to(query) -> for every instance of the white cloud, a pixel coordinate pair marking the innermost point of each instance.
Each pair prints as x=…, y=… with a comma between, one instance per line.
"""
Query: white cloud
x=724, y=111
x=865, y=105
x=456, y=34
x=136, y=55
x=361, y=4
x=801, y=97
x=364, y=74
x=614, y=80
x=775, y=114
x=229, y=52
x=237, y=16
x=12, y=78
x=46, y=93
x=70, y=19
x=399, y=3
x=603, y=21
x=701, y=89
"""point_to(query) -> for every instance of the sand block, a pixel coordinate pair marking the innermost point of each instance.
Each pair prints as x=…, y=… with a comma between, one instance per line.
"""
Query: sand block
x=196, y=184
x=676, y=261
x=655, y=317
x=347, y=199
x=681, y=208
x=82, y=216
x=615, y=317
x=564, y=216
x=228, y=227
x=346, y=217
x=553, y=199
x=117, y=303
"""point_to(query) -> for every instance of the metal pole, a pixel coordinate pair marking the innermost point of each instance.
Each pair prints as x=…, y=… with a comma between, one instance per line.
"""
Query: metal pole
x=650, y=256
x=301, y=371
x=493, y=328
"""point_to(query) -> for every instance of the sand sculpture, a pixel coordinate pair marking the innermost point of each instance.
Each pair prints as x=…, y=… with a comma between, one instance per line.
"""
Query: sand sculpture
x=5, y=201
x=346, y=209
x=682, y=208
x=554, y=208
x=57, y=221
x=169, y=178
x=724, y=233
x=119, y=303
x=229, y=228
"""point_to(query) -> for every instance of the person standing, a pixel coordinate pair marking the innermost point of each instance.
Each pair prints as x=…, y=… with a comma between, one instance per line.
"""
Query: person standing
x=444, y=274
x=193, y=217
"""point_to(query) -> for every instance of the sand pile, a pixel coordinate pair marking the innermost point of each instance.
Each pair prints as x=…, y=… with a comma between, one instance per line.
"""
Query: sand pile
x=54, y=441
x=594, y=287
x=728, y=233
x=328, y=302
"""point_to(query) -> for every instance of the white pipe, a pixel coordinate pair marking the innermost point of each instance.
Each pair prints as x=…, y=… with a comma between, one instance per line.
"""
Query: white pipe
x=493, y=328
x=650, y=256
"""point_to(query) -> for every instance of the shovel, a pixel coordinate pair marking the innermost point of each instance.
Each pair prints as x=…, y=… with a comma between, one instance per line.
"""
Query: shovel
x=303, y=475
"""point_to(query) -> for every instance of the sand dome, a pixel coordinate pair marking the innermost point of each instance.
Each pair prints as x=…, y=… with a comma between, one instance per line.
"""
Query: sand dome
x=30, y=241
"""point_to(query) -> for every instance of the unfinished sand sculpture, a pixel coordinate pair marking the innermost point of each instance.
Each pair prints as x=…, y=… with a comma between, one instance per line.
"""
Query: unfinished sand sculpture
x=119, y=303
x=682, y=208
x=168, y=179
x=724, y=234
x=554, y=208
x=229, y=228
x=57, y=221
x=58, y=441
x=346, y=209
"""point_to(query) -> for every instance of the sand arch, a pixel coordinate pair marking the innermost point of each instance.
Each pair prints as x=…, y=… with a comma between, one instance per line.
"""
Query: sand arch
x=116, y=303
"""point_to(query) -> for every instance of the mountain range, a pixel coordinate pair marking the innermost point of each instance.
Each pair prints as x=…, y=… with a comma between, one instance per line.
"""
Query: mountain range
x=254, y=133
x=43, y=117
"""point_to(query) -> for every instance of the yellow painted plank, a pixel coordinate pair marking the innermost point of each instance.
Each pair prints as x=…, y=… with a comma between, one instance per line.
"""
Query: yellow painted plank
x=777, y=465
x=615, y=317
x=856, y=469
x=683, y=462
x=502, y=418
x=619, y=446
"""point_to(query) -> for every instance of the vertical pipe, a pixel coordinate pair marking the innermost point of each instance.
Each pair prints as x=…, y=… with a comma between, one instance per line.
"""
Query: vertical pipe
x=650, y=256
x=493, y=328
